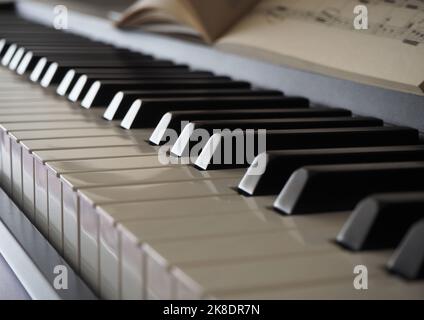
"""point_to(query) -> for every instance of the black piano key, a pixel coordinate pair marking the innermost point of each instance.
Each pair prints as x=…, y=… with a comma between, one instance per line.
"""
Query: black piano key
x=170, y=70
x=76, y=53
x=42, y=39
x=211, y=156
x=279, y=165
x=113, y=63
x=84, y=83
x=408, y=259
x=54, y=72
x=16, y=59
x=60, y=46
x=141, y=73
x=147, y=113
x=80, y=50
x=327, y=188
x=8, y=10
x=123, y=100
x=64, y=66
x=58, y=70
x=35, y=30
x=182, y=145
x=381, y=220
x=8, y=54
x=72, y=76
x=173, y=120
x=52, y=40
x=3, y=47
x=102, y=92
x=81, y=54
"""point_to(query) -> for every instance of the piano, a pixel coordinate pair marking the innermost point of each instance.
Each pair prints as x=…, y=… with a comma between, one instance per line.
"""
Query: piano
x=103, y=196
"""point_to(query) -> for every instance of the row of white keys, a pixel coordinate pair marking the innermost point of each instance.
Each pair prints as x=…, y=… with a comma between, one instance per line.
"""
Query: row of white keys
x=13, y=173
x=33, y=168
x=157, y=236
x=98, y=232
x=170, y=255
x=382, y=287
x=12, y=124
x=27, y=119
x=248, y=253
x=328, y=275
x=39, y=170
x=50, y=185
x=93, y=188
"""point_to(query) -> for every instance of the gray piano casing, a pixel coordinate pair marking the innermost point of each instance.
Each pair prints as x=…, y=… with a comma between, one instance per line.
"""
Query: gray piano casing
x=33, y=259
x=391, y=106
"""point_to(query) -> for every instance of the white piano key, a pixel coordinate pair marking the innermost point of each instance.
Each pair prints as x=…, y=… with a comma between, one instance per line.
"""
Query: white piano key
x=31, y=96
x=52, y=188
x=97, y=130
x=185, y=228
x=16, y=168
x=384, y=287
x=40, y=199
x=28, y=185
x=108, y=236
x=13, y=110
x=78, y=87
x=48, y=125
x=1, y=159
x=65, y=83
x=174, y=208
x=35, y=118
x=23, y=65
x=252, y=220
x=16, y=155
x=48, y=75
x=284, y=271
x=2, y=44
x=38, y=69
x=16, y=58
x=149, y=209
x=29, y=166
x=6, y=166
x=130, y=277
x=121, y=180
x=5, y=150
x=76, y=143
x=14, y=137
x=16, y=152
x=161, y=255
x=9, y=54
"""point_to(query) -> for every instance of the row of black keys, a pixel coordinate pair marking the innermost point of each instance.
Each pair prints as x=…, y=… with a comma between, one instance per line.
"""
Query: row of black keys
x=317, y=159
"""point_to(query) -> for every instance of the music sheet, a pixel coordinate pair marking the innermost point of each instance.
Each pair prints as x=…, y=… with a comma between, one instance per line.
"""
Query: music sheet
x=319, y=36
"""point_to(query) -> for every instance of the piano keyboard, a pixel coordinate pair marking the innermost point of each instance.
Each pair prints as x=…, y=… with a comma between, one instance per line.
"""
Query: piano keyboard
x=82, y=123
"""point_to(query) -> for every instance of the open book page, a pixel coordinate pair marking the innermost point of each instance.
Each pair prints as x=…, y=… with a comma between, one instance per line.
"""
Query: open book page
x=161, y=16
x=206, y=19
x=319, y=36
x=217, y=16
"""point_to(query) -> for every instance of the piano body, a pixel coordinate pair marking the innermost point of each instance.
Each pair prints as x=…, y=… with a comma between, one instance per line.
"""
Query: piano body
x=337, y=212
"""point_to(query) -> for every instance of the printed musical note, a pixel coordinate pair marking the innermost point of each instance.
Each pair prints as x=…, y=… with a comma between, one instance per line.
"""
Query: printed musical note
x=396, y=19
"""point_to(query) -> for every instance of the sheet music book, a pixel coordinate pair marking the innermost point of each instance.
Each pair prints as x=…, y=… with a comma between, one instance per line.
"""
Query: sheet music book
x=313, y=35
